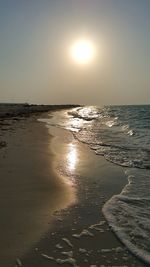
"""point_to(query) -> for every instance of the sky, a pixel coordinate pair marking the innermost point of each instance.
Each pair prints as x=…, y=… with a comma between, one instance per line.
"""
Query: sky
x=35, y=41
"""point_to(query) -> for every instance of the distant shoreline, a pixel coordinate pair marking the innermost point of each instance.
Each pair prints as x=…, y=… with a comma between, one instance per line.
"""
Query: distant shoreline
x=9, y=110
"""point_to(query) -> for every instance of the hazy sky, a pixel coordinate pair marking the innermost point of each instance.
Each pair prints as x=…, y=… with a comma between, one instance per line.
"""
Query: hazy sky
x=35, y=64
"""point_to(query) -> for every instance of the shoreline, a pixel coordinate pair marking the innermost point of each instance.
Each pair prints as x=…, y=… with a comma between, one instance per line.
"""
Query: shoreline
x=88, y=238
x=54, y=220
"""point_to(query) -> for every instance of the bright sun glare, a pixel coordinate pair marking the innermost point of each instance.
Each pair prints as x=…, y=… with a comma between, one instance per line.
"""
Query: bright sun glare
x=82, y=51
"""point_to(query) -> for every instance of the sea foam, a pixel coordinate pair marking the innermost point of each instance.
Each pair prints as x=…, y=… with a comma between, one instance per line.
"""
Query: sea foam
x=128, y=214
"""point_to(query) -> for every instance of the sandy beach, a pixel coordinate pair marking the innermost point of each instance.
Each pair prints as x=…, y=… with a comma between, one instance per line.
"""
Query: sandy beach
x=75, y=133
x=52, y=190
x=29, y=194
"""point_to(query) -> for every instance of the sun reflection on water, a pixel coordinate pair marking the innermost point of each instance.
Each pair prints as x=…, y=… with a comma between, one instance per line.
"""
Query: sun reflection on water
x=71, y=157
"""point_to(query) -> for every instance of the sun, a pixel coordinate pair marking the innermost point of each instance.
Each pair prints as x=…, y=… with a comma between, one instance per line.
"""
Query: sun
x=82, y=51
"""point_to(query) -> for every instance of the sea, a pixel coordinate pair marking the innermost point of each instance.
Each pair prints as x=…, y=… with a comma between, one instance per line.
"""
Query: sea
x=121, y=134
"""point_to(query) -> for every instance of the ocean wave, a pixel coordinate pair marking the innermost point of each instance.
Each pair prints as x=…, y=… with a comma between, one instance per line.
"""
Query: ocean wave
x=128, y=214
x=86, y=113
x=116, y=133
x=120, y=154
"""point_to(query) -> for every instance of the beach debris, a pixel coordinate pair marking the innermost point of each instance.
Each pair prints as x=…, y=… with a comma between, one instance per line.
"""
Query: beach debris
x=58, y=246
x=47, y=257
x=83, y=233
x=67, y=241
x=19, y=263
x=68, y=253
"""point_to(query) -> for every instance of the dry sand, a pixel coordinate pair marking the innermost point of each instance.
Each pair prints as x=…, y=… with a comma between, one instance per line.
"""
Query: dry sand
x=51, y=207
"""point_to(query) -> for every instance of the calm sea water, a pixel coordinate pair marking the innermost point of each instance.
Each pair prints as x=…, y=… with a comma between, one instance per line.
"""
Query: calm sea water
x=122, y=135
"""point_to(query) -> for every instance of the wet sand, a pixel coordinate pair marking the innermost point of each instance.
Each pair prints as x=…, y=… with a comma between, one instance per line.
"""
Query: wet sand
x=52, y=190
x=81, y=235
x=30, y=191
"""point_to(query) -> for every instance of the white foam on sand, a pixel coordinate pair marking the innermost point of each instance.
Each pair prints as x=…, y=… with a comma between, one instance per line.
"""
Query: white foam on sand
x=19, y=263
x=106, y=250
x=97, y=226
x=82, y=250
x=47, y=257
x=67, y=241
x=59, y=246
x=128, y=214
x=68, y=253
x=70, y=261
x=83, y=233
